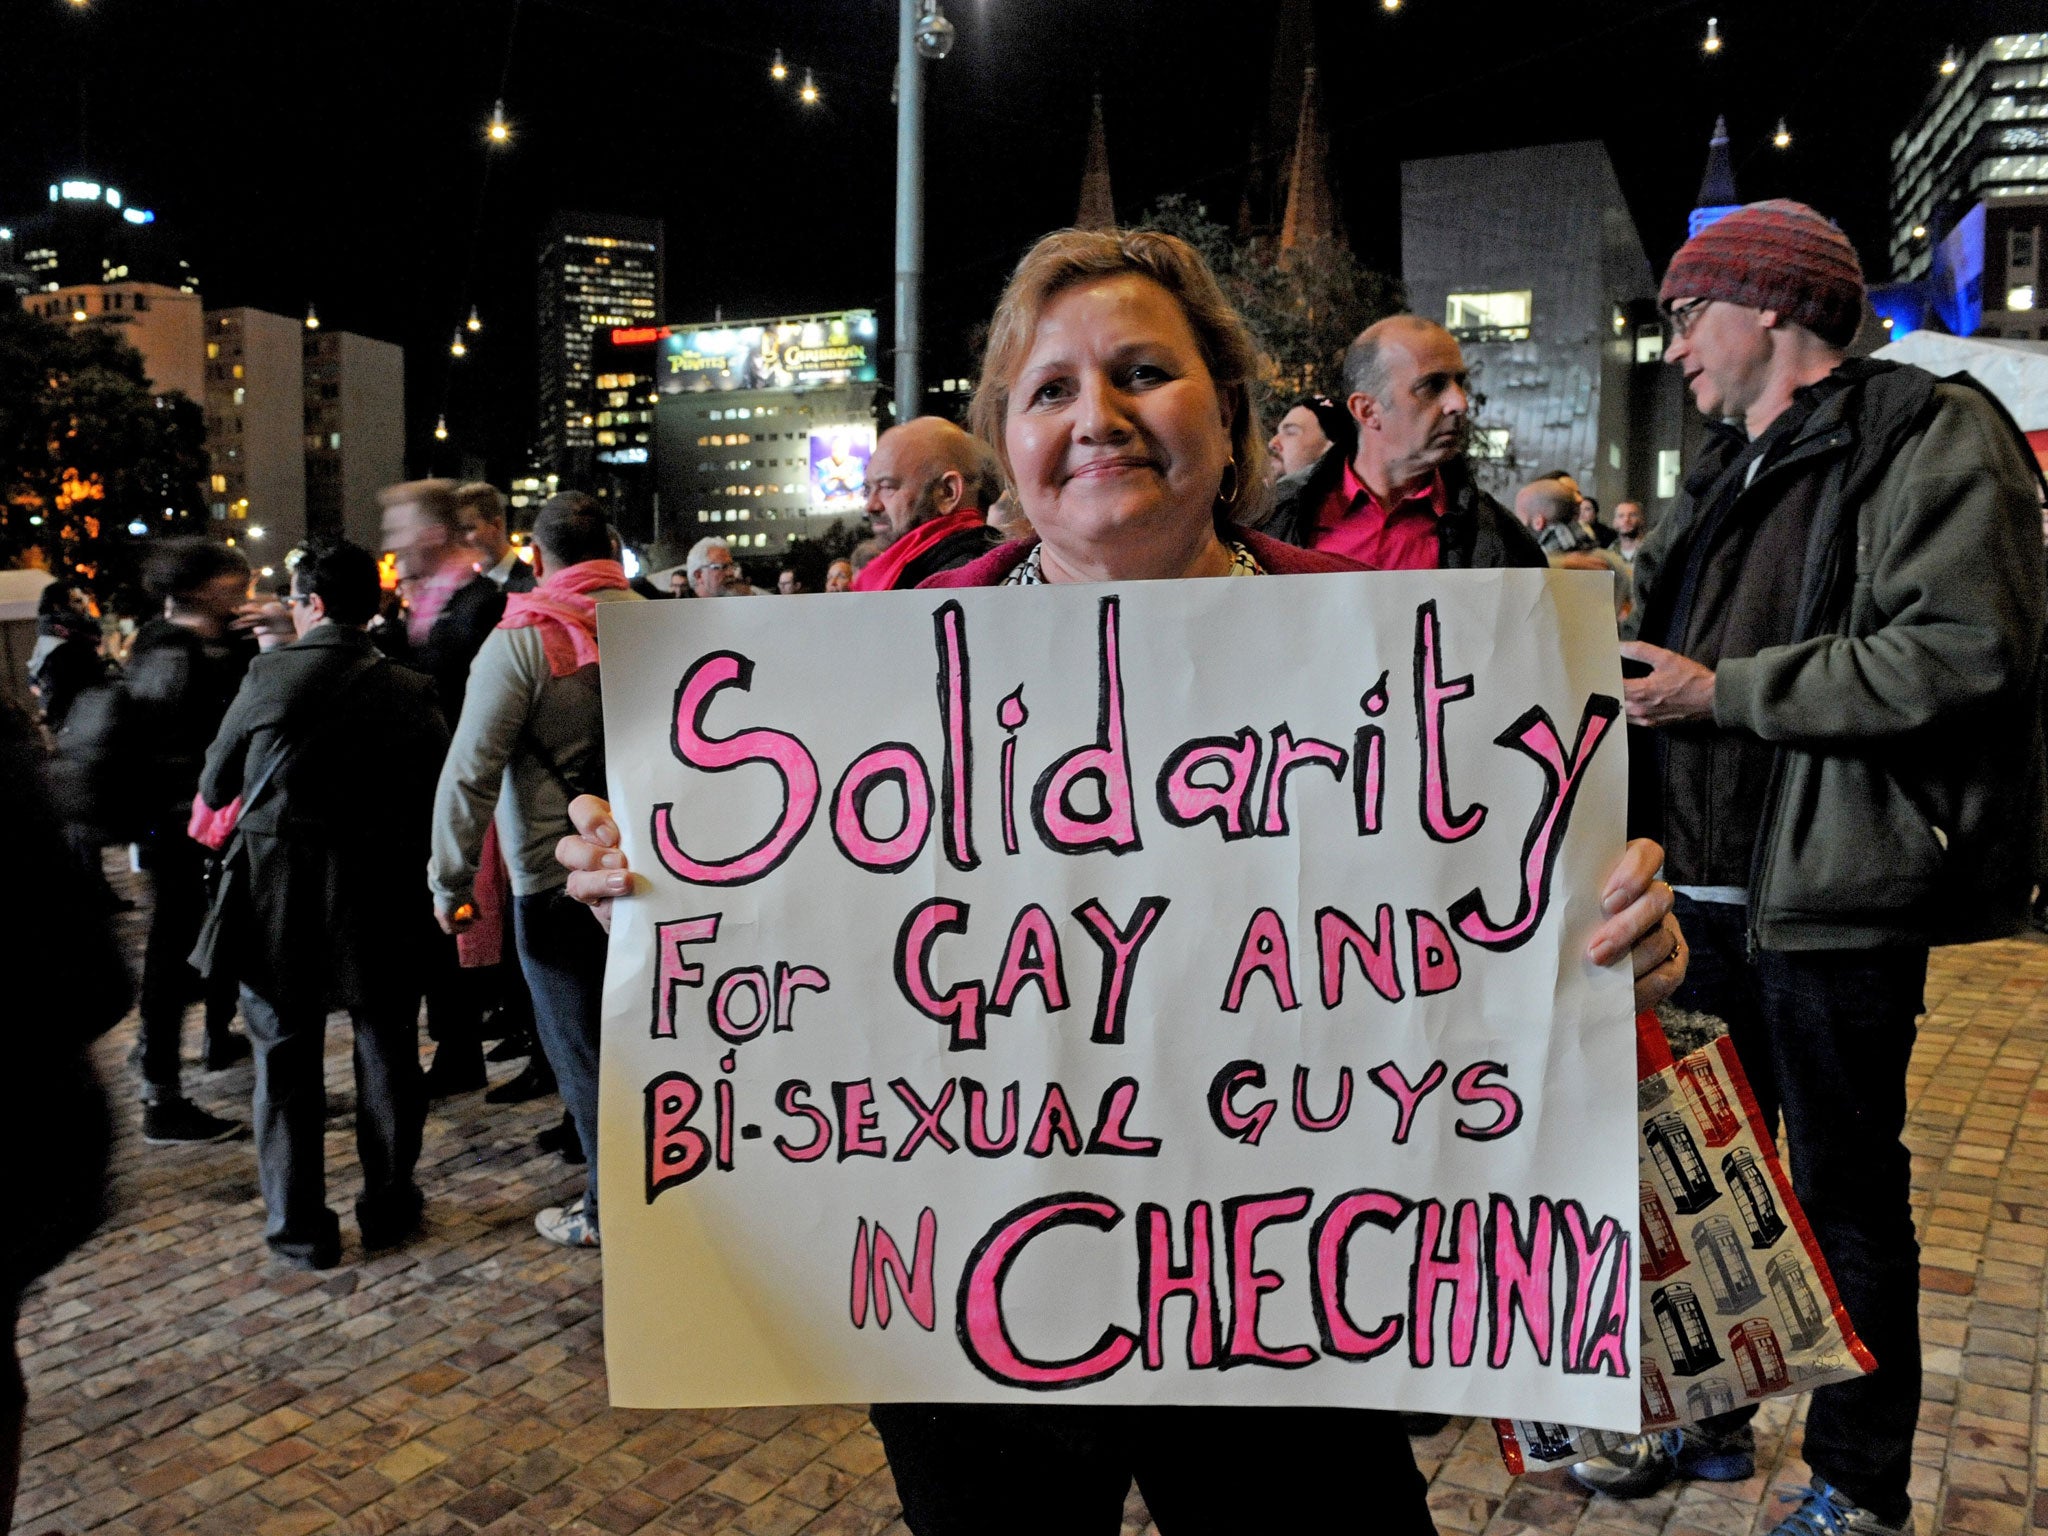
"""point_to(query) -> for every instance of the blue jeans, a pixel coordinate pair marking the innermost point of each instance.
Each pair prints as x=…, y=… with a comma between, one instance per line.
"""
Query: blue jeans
x=561, y=950
x=1825, y=1037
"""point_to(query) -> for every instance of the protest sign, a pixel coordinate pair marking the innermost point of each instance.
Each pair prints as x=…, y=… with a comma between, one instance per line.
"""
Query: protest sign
x=1156, y=992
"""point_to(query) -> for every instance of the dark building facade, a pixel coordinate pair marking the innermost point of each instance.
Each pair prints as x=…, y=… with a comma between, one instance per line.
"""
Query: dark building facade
x=89, y=232
x=598, y=272
x=1981, y=137
x=1531, y=258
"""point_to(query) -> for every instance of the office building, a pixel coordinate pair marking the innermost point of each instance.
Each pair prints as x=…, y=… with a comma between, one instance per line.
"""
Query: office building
x=1981, y=137
x=255, y=426
x=354, y=426
x=597, y=273
x=166, y=325
x=762, y=429
x=90, y=257
x=90, y=233
x=1530, y=257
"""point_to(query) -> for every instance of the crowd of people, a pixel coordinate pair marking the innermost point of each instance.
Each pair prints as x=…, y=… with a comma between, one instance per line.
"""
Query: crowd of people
x=1833, y=650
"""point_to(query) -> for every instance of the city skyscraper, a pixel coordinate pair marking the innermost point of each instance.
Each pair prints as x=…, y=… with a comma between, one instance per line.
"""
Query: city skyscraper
x=1980, y=137
x=598, y=272
x=255, y=420
x=355, y=432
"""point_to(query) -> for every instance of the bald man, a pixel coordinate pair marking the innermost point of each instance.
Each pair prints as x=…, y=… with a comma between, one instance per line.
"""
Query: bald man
x=1549, y=509
x=1406, y=499
x=929, y=486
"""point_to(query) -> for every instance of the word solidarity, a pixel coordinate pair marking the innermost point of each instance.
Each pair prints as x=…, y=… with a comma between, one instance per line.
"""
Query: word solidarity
x=1060, y=992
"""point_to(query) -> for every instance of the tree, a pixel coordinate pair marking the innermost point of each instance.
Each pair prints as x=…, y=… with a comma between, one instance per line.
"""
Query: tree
x=1303, y=306
x=86, y=447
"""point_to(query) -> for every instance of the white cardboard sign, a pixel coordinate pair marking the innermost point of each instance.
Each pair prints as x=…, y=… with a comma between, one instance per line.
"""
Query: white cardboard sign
x=1164, y=992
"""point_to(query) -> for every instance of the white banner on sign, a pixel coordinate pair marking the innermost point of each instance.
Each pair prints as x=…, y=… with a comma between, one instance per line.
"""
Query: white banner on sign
x=1167, y=992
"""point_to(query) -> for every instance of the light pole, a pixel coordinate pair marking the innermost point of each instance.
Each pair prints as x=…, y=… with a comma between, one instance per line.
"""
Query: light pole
x=922, y=33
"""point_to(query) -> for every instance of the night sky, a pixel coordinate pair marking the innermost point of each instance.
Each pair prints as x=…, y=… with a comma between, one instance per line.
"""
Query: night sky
x=332, y=150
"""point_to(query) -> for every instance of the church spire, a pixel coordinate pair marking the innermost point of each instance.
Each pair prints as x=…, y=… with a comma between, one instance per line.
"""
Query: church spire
x=1098, y=209
x=1717, y=187
x=1718, y=196
x=1311, y=217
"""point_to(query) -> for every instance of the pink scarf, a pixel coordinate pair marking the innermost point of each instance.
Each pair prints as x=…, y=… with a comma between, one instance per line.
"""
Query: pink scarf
x=880, y=574
x=565, y=612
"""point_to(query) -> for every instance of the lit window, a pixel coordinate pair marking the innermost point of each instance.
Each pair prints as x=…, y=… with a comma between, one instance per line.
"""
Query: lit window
x=213, y=349
x=1491, y=443
x=2020, y=298
x=241, y=395
x=1649, y=344
x=220, y=485
x=238, y=370
x=1488, y=316
x=1667, y=473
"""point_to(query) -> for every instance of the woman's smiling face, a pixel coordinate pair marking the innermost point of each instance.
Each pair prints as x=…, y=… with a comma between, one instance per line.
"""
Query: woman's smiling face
x=1115, y=428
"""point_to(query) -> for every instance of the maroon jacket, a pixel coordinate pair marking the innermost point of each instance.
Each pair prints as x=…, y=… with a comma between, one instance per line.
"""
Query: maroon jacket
x=1277, y=558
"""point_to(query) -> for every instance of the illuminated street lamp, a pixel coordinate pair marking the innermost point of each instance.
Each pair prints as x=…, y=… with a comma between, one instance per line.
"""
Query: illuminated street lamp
x=441, y=429
x=1919, y=231
x=500, y=129
x=778, y=70
x=312, y=318
x=1390, y=6
x=1782, y=139
x=1950, y=63
x=457, y=347
x=808, y=94
x=1711, y=43
x=473, y=323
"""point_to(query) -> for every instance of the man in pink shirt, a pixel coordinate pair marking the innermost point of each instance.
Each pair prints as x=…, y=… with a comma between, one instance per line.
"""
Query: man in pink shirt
x=1406, y=499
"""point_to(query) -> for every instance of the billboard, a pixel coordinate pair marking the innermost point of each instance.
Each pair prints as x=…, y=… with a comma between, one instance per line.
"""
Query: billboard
x=839, y=468
x=797, y=352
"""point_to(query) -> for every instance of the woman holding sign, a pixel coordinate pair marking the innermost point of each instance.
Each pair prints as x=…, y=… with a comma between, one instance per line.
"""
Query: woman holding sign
x=1116, y=391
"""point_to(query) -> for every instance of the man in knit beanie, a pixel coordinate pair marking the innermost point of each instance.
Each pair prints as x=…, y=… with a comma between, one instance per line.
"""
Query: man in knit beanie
x=1839, y=746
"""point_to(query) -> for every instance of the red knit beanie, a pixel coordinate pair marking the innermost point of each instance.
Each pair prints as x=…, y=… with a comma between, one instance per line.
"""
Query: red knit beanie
x=1778, y=255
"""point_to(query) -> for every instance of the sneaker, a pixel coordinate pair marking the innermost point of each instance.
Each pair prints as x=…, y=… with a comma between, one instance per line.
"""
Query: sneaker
x=1641, y=1466
x=567, y=1225
x=224, y=1050
x=1824, y=1510
x=179, y=1122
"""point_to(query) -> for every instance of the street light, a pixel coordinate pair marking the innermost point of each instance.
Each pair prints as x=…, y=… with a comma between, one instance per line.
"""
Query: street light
x=499, y=130
x=808, y=94
x=1950, y=63
x=777, y=70
x=457, y=347
x=312, y=318
x=1782, y=139
x=473, y=323
x=1711, y=43
x=441, y=429
x=922, y=33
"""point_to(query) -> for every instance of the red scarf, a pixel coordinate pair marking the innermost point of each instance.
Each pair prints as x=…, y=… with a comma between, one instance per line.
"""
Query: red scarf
x=880, y=573
x=565, y=612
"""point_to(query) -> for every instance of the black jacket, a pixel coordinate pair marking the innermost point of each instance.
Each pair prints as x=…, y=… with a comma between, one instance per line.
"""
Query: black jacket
x=324, y=900
x=182, y=684
x=949, y=554
x=1475, y=533
x=459, y=632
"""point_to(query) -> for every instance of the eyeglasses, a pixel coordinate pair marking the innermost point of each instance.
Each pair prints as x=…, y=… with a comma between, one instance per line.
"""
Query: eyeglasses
x=1681, y=318
x=298, y=599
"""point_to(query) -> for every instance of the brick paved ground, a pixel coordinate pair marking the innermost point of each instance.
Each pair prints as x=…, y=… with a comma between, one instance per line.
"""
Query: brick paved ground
x=179, y=1383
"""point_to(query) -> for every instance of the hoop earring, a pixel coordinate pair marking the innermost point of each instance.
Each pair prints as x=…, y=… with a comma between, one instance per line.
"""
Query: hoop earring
x=1226, y=491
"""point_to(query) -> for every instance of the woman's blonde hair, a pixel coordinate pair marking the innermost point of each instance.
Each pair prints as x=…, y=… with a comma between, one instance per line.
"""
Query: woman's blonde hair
x=1067, y=258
